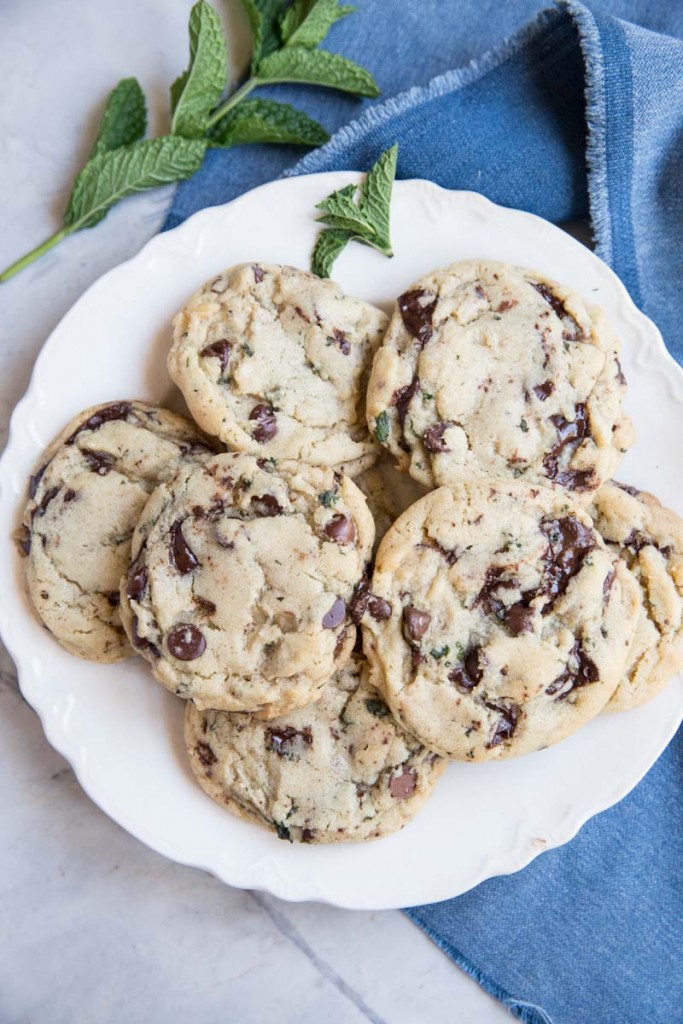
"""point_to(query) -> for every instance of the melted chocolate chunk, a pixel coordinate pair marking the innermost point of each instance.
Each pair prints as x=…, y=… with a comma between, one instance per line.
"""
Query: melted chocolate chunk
x=203, y=604
x=470, y=673
x=335, y=616
x=299, y=312
x=205, y=754
x=519, y=617
x=506, y=304
x=137, y=581
x=140, y=642
x=24, y=541
x=265, y=506
x=185, y=642
x=35, y=480
x=561, y=311
x=433, y=438
x=114, y=598
x=608, y=584
x=218, y=350
x=307, y=835
x=339, y=644
x=285, y=739
x=266, y=423
x=488, y=597
x=181, y=554
x=116, y=411
x=570, y=433
x=506, y=724
x=621, y=379
x=49, y=495
x=69, y=495
x=633, y=491
x=341, y=341
x=544, y=390
x=341, y=529
x=417, y=309
x=451, y=555
x=416, y=658
x=636, y=541
x=379, y=608
x=584, y=673
x=359, y=601
x=569, y=541
x=258, y=273
x=99, y=462
x=415, y=623
x=402, y=398
x=402, y=783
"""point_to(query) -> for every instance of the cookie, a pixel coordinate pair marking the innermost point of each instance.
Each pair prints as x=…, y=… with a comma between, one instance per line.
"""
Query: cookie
x=493, y=370
x=83, y=505
x=649, y=540
x=340, y=769
x=275, y=362
x=497, y=622
x=237, y=594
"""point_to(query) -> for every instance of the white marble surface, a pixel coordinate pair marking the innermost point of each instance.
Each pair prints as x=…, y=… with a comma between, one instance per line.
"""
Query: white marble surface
x=94, y=927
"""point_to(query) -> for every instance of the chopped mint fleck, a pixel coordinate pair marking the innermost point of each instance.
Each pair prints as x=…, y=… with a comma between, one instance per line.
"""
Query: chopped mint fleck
x=377, y=708
x=382, y=427
x=328, y=498
x=440, y=652
x=524, y=425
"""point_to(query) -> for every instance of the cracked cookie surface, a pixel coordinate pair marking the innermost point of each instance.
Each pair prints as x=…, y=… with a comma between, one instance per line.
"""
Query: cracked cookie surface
x=340, y=769
x=241, y=575
x=649, y=539
x=498, y=621
x=83, y=505
x=491, y=369
x=275, y=362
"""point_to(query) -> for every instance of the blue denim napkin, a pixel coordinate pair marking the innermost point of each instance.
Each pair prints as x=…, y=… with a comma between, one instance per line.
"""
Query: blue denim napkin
x=579, y=113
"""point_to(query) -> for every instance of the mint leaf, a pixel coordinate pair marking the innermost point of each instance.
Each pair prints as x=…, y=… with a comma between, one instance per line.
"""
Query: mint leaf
x=329, y=245
x=307, y=22
x=109, y=177
x=368, y=220
x=382, y=427
x=267, y=121
x=263, y=17
x=316, y=67
x=198, y=90
x=124, y=120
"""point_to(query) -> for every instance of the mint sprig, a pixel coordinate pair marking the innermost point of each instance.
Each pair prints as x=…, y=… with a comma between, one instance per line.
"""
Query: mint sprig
x=365, y=219
x=285, y=40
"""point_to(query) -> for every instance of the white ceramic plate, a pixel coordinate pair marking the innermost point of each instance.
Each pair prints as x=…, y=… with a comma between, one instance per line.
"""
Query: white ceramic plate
x=122, y=732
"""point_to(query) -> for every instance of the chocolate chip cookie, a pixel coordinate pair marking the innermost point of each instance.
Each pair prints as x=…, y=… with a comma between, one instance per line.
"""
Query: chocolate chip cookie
x=241, y=575
x=497, y=620
x=340, y=769
x=490, y=369
x=275, y=362
x=83, y=504
x=649, y=540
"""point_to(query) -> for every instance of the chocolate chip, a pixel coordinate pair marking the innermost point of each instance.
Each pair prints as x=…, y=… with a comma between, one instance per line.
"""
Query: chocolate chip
x=417, y=310
x=569, y=541
x=49, y=495
x=359, y=601
x=299, y=312
x=307, y=835
x=415, y=623
x=402, y=783
x=377, y=708
x=544, y=390
x=141, y=643
x=258, y=273
x=137, y=581
x=470, y=673
x=114, y=598
x=506, y=304
x=218, y=350
x=180, y=553
x=519, y=618
x=99, y=462
x=116, y=411
x=335, y=616
x=285, y=739
x=341, y=529
x=265, y=505
x=69, y=495
x=584, y=673
x=266, y=424
x=379, y=608
x=185, y=642
x=433, y=439
x=339, y=644
x=341, y=341
x=506, y=724
x=609, y=583
x=205, y=754
x=23, y=539
x=621, y=379
x=203, y=604
x=416, y=658
x=570, y=433
x=402, y=398
x=35, y=480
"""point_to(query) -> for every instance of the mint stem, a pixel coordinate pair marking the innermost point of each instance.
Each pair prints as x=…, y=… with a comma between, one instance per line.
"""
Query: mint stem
x=34, y=254
x=233, y=100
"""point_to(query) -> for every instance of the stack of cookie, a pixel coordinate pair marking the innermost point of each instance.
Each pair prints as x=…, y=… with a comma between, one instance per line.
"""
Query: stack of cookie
x=329, y=677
